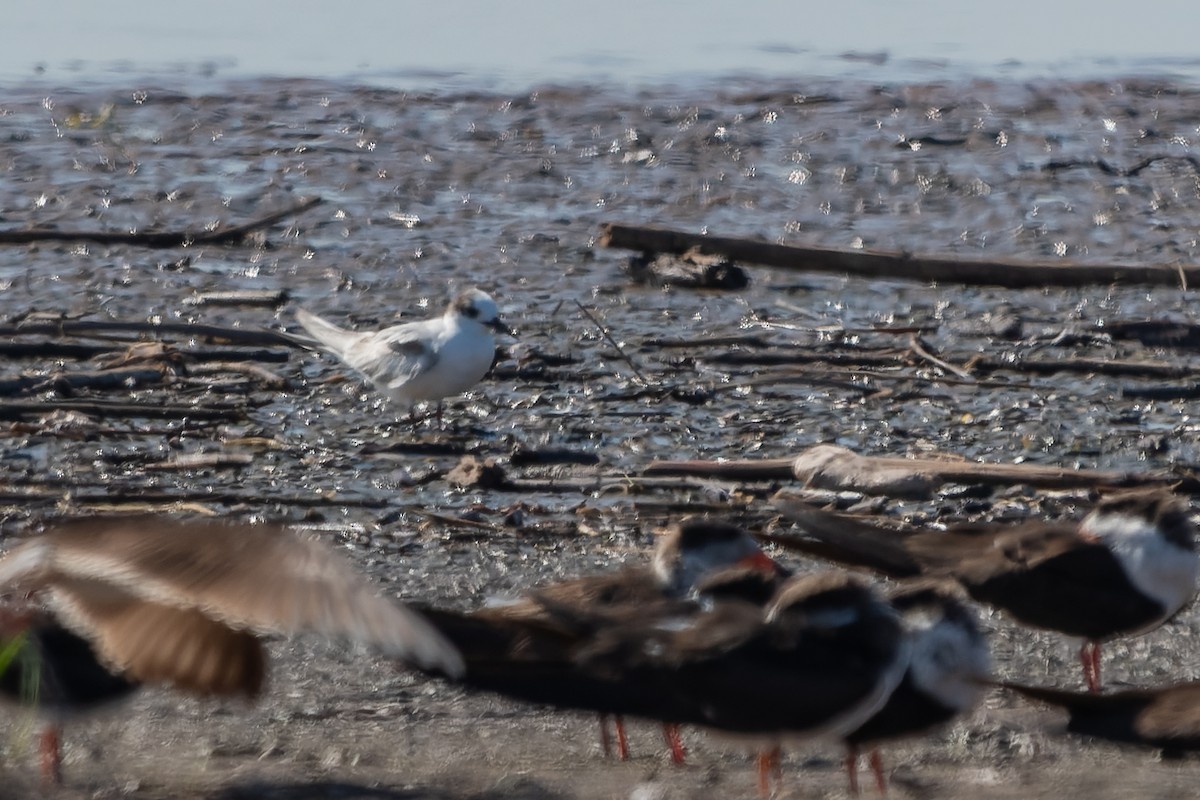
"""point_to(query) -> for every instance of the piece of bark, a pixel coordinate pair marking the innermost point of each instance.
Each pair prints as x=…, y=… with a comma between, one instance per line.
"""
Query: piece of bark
x=157, y=354
x=472, y=473
x=691, y=270
x=838, y=469
x=893, y=266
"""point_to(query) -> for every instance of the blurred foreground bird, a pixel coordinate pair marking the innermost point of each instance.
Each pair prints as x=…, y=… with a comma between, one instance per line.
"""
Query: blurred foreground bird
x=102, y=605
x=819, y=659
x=1126, y=568
x=1166, y=717
x=526, y=648
x=425, y=360
x=948, y=669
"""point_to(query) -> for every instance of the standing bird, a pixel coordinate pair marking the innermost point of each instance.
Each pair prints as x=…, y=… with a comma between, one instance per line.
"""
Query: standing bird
x=113, y=603
x=1127, y=568
x=527, y=648
x=416, y=361
x=948, y=669
x=819, y=660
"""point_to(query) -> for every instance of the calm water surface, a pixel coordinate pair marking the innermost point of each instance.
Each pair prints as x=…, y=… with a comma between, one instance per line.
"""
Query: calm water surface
x=480, y=44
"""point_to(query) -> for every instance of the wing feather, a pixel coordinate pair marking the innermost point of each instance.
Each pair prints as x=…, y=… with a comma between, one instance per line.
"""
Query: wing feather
x=262, y=578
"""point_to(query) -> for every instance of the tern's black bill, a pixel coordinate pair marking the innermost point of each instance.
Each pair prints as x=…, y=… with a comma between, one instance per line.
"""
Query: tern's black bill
x=499, y=326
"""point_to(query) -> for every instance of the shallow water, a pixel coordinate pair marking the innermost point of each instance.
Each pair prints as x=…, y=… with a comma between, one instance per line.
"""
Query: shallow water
x=474, y=44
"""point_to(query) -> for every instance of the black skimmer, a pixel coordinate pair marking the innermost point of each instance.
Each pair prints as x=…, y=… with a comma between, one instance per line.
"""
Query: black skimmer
x=1167, y=717
x=106, y=604
x=948, y=669
x=819, y=660
x=1126, y=568
x=529, y=648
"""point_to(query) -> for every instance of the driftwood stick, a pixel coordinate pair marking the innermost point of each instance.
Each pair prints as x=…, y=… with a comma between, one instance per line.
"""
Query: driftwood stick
x=883, y=359
x=52, y=350
x=838, y=469
x=1100, y=366
x=45, y=349
x=156, y=239
x=113, y=496
x=762, y=469
x=914, y=344
x=266, y=377
x=73, y=381
x=891, y=265
x=13, y=409
x=103, y=329
x=855, y=376
x=249, y=297
x=848, y=358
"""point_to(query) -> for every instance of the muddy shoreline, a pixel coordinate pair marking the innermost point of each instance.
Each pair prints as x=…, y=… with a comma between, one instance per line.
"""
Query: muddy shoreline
x=424, y=193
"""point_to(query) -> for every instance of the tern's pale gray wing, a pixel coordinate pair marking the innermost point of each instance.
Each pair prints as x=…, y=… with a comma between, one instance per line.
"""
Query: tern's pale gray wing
x=394, y=356
x=404, y=359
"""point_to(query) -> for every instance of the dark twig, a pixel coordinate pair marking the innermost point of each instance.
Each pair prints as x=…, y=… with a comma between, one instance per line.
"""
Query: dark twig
x=156, y=239
x=914, y=344
x=608, y=338
x=107, y=329
x=93, y=408
x=1120, y=172
x=107, y=496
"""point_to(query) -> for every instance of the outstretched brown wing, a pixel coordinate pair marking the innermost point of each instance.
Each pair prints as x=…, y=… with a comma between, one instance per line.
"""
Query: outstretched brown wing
x=257, y=577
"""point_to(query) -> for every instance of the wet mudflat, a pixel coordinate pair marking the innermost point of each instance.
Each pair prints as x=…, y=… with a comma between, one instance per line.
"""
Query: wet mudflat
x=425, y=193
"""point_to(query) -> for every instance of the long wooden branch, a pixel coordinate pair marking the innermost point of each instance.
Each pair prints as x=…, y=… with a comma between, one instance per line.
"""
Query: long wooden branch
x=906, y=266
x=827, y=466
x=75, y=381
x=108, y=328
x=12, y=409
x=156, y=238
x=136, y=495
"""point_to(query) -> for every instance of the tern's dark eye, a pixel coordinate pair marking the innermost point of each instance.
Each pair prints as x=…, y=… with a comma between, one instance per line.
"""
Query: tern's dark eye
x=470, y=312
